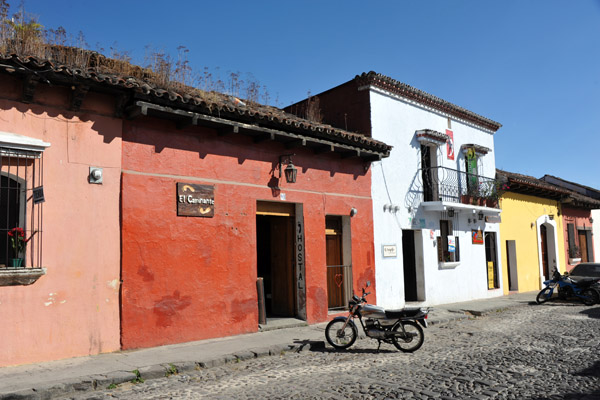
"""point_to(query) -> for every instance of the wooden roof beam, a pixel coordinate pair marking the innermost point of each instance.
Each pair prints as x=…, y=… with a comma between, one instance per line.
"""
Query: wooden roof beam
x=264, y=137
x=227, y=130
x=78, y=93
x=29, y=84
x=295, y=143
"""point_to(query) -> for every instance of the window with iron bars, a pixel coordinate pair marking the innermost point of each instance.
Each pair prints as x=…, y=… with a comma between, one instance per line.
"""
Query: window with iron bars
x=21, y=211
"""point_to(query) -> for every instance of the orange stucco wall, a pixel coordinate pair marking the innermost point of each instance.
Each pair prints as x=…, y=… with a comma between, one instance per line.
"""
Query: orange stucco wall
x=74, y=309
x=190, y=278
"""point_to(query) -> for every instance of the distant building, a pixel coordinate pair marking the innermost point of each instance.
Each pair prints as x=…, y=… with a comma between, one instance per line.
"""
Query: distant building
x=532, y=231
x=581, y=213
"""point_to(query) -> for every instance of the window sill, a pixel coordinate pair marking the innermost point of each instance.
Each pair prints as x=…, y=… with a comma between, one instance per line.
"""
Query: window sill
x=21, y=276
x=449, y=265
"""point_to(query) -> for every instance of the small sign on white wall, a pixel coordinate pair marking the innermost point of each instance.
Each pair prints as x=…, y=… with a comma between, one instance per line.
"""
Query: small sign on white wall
x=389, y=250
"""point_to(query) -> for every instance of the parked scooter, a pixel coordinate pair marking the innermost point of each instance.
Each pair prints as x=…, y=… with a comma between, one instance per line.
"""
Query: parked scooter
x=586, y=289
x=397, y=327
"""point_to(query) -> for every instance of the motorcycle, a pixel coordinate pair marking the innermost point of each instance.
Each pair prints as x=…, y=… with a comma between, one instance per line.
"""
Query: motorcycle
x=397, y=327
x=585, y=289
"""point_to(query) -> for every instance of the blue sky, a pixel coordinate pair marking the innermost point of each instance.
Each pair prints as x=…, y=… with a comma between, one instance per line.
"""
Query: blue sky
x=533, y=66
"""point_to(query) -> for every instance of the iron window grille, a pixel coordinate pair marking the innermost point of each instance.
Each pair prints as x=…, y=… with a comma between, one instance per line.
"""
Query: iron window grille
x=21, y=208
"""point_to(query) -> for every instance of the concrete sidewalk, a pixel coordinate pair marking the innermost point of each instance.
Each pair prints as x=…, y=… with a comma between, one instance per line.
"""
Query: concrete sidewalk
x=51, y=379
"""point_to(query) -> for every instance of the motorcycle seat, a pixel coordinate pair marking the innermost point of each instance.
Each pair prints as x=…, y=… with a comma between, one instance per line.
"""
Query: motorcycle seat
x=402, y=313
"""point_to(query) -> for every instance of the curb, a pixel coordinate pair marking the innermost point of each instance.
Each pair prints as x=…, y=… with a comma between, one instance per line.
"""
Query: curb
x=102, y=382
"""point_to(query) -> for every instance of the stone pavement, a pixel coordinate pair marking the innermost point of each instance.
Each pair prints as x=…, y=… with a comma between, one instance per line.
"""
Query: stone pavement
x=55, y=378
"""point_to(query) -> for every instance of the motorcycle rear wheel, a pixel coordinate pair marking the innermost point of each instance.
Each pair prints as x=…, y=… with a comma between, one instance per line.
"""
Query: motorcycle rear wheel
x=415, y=337
x=544, y=295
x=591, y=297
x=339, y=339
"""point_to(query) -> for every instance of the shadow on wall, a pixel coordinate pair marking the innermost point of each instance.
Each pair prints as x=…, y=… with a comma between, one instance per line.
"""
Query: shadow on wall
x=204, y=141
x=44, y=111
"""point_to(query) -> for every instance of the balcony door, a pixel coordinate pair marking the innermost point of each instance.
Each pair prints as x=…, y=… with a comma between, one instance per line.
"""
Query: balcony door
x=429, y=173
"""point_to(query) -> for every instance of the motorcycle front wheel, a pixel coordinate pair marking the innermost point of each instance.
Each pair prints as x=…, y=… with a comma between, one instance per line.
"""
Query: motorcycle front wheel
x=590, y=297
x=340, y=338
x=413, y=339
x=544, y=295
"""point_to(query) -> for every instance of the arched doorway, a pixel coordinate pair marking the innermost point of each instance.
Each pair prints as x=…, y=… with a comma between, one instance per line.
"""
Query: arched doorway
x=547, y=247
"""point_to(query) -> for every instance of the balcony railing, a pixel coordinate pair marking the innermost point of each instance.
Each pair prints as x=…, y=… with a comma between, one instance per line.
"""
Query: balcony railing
x=445, y=184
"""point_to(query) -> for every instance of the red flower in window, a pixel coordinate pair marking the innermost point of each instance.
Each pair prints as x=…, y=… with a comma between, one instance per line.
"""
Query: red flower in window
x=17, y=238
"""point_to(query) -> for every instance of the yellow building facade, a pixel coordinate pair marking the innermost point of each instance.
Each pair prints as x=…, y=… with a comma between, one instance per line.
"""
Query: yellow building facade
x=531, y=232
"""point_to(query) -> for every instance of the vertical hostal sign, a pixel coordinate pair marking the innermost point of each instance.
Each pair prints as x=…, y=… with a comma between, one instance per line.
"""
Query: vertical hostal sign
x=195, y=200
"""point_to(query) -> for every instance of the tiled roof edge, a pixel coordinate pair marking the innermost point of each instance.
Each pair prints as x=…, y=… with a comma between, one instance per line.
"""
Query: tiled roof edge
x=404, y=90
x=222, y=102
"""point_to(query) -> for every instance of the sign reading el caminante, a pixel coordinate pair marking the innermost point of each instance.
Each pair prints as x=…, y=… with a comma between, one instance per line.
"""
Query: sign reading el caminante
x=195, y=200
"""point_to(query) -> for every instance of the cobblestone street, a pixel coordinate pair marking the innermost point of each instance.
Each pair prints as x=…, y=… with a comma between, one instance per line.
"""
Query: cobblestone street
x=550, y=351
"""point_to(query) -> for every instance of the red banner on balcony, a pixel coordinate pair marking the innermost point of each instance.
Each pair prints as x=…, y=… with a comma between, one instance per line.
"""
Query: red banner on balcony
x=450, y=144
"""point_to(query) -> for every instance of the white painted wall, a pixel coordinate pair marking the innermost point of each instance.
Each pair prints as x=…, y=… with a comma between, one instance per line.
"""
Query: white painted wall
x=395, y=121
x=596, y=234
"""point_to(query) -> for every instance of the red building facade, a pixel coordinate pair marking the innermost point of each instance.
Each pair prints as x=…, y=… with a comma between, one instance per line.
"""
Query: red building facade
x=195, y=277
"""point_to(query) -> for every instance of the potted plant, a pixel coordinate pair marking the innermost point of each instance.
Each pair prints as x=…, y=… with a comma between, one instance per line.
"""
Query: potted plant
x=496, y=192
x=17, y=239
x=471, y=197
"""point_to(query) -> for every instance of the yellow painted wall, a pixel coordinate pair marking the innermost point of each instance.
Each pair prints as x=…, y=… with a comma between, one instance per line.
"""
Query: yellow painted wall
x=519, y=212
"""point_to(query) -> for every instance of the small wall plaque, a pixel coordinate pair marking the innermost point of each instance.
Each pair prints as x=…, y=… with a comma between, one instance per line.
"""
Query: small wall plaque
x=389, y=250
x=195, y=200
x=38, y=195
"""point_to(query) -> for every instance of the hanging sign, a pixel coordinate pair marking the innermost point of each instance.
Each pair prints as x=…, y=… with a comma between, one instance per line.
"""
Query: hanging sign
x=195, y=200
x=450, y=144
x=477, y=236
x=451, y=244
x=38, y=195
x=491, y=277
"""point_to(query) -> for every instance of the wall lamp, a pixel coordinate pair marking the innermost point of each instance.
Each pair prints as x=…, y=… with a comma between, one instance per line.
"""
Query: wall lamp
x=451, y=213
x=591, y=220
x=551, y=216
x=480, y=215
x=290, y=171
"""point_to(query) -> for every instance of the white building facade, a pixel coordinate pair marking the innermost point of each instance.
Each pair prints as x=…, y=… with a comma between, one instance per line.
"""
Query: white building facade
x=436, y=239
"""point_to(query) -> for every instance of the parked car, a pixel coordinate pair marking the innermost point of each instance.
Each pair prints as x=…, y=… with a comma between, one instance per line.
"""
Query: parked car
x=586, y=270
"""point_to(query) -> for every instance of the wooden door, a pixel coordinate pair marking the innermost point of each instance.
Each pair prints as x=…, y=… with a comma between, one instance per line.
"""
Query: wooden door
x=282, y=267
x=491, y=260
x=335, y=272
x=583, y=246
x=544, y=246
x=410, y=265
x=426, y=173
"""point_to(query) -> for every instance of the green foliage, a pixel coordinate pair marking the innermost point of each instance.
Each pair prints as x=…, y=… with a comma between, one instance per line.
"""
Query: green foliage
x=24, y=35
x=112, y=386
x=171, y=370
x=138, y=377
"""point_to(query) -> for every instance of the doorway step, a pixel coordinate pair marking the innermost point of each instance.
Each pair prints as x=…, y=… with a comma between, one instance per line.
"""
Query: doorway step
x=281, y=323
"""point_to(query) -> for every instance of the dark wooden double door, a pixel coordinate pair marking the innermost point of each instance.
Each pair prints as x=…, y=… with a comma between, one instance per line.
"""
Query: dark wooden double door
x=275, y=263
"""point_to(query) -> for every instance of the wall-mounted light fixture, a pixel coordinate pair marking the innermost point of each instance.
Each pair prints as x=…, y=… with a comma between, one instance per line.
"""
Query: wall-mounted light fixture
x=480, y=215
x=451, y=213
x=551, y=216
x=591, y=220
x=95, y=175
x=353, y=212
x=290, y=171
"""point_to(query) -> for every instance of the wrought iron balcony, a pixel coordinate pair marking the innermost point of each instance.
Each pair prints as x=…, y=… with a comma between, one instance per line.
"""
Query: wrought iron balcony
x=450, y=185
